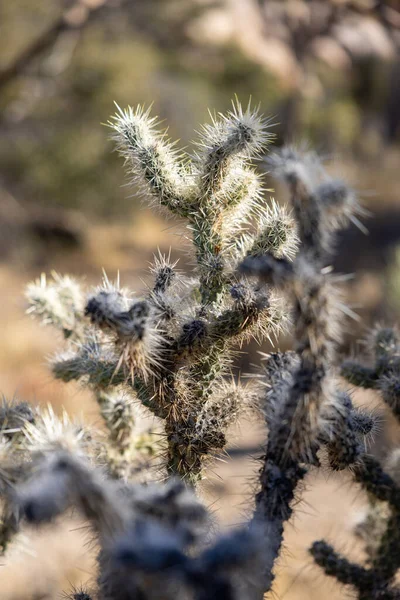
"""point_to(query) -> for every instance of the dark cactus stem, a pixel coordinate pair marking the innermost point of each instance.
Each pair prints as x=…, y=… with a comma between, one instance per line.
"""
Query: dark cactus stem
x=273, y=509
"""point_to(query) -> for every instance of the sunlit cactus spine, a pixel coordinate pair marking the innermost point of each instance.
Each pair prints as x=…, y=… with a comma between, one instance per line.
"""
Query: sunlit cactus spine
x=172, y=349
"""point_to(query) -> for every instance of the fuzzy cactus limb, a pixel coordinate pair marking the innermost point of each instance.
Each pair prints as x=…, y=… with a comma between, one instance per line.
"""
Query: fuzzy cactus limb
x=302, y=406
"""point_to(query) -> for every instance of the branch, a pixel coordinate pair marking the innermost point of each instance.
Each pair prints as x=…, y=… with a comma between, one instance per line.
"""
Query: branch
x=76, y=18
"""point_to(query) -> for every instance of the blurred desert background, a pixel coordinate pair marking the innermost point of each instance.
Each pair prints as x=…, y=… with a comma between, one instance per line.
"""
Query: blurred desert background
x=328, y=72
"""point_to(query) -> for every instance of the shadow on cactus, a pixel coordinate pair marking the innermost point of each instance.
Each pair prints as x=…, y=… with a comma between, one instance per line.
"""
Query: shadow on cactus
x=169, y=352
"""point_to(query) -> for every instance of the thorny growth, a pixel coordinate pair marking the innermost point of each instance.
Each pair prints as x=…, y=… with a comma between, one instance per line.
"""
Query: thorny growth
x=171, y=350
x=169, y=353
x=310, y=417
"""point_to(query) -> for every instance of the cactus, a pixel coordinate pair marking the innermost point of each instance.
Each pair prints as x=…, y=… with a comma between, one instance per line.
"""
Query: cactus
x=169, y=352
x=309, y=416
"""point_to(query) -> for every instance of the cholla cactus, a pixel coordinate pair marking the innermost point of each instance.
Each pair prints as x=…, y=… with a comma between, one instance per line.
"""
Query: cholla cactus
x=383, y=374
x=377, y=580
x=26, y=434
x=307, y=413
x=169, y=353
x=171, y=349
x=309, y=417
x=151, y=538
x=59, y=303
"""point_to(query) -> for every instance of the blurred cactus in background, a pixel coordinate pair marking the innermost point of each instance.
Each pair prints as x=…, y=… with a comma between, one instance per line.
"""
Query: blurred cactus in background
x=257, y=266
